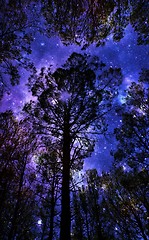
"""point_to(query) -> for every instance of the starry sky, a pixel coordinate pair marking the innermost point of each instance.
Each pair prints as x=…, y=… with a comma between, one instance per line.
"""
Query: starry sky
x=125, y=54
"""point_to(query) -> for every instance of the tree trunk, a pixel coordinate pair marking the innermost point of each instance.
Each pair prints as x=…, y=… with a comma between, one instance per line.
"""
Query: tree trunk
x=13, y=228
x=99, y=231
x=87, y=227
x=140, y=226
x=52, y=210
x=65, y=225
x=98, y=223
x=43, y=229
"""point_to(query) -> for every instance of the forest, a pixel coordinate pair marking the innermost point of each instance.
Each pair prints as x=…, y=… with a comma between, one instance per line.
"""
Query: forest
x=44, y=192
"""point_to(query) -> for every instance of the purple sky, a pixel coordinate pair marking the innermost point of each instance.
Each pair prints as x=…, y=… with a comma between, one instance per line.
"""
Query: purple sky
x=125, y=54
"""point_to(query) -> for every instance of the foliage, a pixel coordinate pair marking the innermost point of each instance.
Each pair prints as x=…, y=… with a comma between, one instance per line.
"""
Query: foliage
x=125, y=204
x=16, y=20
x=17, y=204
x=133, y=133
x=139, y=19
x=88, y=220
x=86, y=22
x=113, y=206
x=48, y=173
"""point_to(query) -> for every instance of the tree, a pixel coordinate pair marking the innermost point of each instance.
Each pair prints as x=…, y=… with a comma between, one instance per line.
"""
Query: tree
x=120, y=19
x=131, y=162
x=48, y=191
x=112, y=205
x=70, y=106
x=78, y=220
x=88, y=218
x=16, y=178
x=16, y=20
x=139, y=19
x=86, y=22
x=125, y=204
x=132, y=135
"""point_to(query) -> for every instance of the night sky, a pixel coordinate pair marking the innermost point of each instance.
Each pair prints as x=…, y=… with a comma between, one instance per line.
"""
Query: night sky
x=125, y=54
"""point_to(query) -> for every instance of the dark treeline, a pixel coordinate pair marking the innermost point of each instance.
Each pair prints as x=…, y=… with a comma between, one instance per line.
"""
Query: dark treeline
x=40, y=198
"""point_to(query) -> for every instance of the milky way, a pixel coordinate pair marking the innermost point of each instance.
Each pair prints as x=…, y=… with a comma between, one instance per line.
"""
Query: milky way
x=125, y=54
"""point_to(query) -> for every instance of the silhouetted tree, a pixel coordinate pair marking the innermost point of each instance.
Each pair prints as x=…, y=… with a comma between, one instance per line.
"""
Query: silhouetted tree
x=125, y=204
x=86, y=22
x=16, y=177
x=16, y=20
x=78, y=21
x=78, y=221
x=89, y=221
x=132, y=135
x=139, y=18
x=70, y=106
x=130, y=186
x=48, y=191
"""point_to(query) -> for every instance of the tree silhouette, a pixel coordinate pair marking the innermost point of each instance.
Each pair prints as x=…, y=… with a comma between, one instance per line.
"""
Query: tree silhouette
x=133, y=133
x=48, y=191
x=88, y=218
x=139, y=18
x=111, y=205
x=16, y=37
x=125, y=203
x=70, y=106
x=16, y=177
x=86, y=22
x=131, y=160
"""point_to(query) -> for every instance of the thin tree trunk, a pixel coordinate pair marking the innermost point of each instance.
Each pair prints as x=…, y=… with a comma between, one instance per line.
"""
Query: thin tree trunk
x=52, y=210
x=140, y=226
x=15, y=215
x=87, y=227
x=99, y=231
x=98, y=223
x=43, y=230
